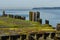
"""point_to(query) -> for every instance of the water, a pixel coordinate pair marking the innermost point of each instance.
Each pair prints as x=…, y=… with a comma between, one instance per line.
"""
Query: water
x=50, y=14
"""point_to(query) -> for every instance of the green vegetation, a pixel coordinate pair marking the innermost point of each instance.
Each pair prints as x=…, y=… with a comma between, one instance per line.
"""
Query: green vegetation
x=23, y=26
x=11, y=22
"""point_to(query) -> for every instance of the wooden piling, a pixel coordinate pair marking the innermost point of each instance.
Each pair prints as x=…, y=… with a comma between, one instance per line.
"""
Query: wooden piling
x=58, y=27
x=47, y=22
x=11, y=16
x=40, y=21
x=31, y=16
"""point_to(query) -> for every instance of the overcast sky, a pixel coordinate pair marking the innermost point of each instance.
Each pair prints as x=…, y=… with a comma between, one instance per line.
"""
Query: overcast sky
x=29, y=3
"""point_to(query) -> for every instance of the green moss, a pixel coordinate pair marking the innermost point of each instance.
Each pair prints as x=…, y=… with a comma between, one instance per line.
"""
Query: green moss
x=23, y=26
x=18, y=23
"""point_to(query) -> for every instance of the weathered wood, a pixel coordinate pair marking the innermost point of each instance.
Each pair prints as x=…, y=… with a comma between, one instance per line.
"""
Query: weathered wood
x=30, y=16
x=4, y=37
x=40, y=21
x=52, y=35
x=34, y=16
x=11, y=16
x=58, y=27
x=38, y=36
x=46, y=21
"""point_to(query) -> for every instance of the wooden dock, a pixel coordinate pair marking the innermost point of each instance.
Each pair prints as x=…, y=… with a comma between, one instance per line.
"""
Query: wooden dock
x=16, y=34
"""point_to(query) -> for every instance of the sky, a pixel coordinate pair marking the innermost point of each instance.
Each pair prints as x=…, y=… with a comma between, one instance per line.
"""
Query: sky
x=29, y=3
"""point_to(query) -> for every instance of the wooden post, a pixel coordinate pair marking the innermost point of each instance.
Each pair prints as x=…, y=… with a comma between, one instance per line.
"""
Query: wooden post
x=58, y=27
x=27, y=37
x=39, y=36
x=35, y=37
x=49, y=37
x=31, y=16
x=3, y=12
x=9, y=38
x=0, y=37
x=46, y=35
x=5, y=38
x=40, y=21
x=42, y=37
x=16, y=16
x=50, y=25
x=19, y=17
x=23, y=18
x=47, y=22
x=11, y=16
x=52, y=35
x=20, y=37
x=23, y=37
x=31, y=36
x=38, y=15
x=34, y=16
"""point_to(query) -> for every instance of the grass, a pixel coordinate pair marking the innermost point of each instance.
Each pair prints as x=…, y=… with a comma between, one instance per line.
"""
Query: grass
x=22, y=26
x=11, y=22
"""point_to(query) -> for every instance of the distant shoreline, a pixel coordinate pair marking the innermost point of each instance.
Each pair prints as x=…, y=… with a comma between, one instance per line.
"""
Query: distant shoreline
x=47, y=8
x=31, y=8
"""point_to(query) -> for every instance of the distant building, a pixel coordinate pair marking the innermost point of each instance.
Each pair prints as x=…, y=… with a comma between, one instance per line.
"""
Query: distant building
x=34, y=16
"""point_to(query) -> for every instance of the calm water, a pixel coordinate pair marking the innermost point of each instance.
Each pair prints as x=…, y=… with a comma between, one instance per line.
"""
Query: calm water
x=50, y=14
